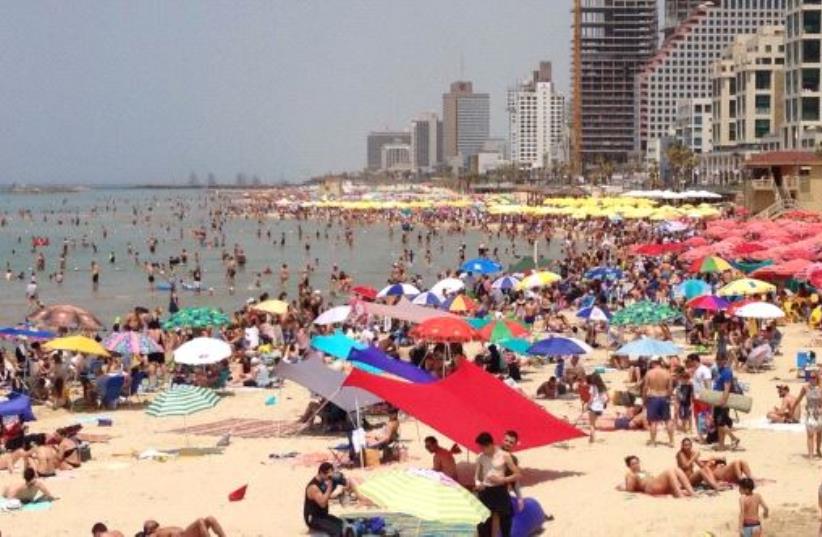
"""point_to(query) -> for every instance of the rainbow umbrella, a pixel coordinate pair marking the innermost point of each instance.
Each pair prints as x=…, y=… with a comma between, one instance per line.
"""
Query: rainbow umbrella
x=459, y=304
x=710, y=263
x=708, y=303
x=131, y=343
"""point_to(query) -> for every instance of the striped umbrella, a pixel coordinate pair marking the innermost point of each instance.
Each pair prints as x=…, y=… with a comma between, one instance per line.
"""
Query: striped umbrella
x=459, y=304
x=182, y=400
x=131, y=343
x=505, y=282
x=425, y=494
x=505, y=329
x=710, y=263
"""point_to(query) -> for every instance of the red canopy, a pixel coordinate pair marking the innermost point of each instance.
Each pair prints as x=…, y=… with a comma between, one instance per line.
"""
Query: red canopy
x=468, y=402
x=365, y=291
x=652, y=249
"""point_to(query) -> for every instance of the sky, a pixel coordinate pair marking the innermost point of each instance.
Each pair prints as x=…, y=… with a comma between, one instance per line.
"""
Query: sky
x=126, y=92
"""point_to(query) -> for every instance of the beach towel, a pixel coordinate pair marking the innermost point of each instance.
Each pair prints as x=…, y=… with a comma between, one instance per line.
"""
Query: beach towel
x=763, y=424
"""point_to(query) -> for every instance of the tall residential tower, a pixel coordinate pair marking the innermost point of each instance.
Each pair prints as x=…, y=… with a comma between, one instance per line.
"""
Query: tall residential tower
x=466, y=120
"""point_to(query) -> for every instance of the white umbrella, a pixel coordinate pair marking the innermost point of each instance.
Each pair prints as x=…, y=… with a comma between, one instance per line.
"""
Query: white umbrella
x=447, y=286
x=202, y=351
x=335, y=315
x=760, y=310
x=398, y=289
x=587, y=348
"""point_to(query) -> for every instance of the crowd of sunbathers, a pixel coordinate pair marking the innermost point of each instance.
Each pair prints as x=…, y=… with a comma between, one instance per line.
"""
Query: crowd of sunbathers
x=201, y=527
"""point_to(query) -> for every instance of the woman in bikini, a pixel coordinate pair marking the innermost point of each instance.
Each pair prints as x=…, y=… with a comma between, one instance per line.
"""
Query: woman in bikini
x=687, y=459
x=730, y=472
x=673, y=482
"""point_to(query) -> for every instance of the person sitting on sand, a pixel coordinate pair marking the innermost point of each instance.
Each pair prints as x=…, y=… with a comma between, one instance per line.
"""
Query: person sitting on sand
x=43, y=460
x=28, y=490
x=101, y=530
x=202, y=527
x=673, y=482
x=729, y=472
x=687, y=459
x=387, y=434
x=786, y=412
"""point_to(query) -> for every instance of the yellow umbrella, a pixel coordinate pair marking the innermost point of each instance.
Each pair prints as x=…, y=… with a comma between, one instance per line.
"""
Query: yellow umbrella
x=80, y=344
x=275, y=307
x=746, y=286
x=539, y=279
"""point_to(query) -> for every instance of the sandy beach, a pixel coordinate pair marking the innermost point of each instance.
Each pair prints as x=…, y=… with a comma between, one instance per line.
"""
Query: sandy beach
x=574, y=481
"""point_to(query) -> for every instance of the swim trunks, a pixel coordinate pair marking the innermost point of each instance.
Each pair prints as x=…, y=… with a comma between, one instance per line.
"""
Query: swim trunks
x=659, y=409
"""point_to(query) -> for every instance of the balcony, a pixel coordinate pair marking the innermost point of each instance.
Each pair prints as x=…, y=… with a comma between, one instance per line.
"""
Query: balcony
x=789, y=182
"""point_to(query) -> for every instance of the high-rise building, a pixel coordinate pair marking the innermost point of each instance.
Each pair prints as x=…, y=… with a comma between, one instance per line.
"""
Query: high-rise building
x=376, y=141
x=681, y=68
x=693, y=124
x=395, y=157
x=803, y=92
x=536, y=120
x=426, y=142
x=466, y=119
x=612, y=40
x=677, y=11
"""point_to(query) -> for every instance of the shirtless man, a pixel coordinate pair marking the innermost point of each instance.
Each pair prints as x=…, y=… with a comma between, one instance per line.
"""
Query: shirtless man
x=27, y=491
x=43, y=460
x=782, y=413
x=443, y=459
x=656, y=392
x=100, y=530
x=730, y=472
x=202, y=527
x=673, y=481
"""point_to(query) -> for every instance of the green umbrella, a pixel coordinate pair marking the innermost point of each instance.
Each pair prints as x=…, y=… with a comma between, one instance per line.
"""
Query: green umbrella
x=424, y=494
x=644, y=313
x=196, y=318
x=527, y=263
x=182, y=400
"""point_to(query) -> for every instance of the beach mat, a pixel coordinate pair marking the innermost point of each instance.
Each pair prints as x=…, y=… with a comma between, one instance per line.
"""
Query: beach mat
x=243, y=428
x=762, y=424
x=741, y=403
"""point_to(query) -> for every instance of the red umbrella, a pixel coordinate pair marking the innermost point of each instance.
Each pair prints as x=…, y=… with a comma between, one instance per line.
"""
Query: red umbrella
x=365, y=291
x=444, y=330
x=708, y=302
x=696, y=241
x=747, y=248
x=658, y=249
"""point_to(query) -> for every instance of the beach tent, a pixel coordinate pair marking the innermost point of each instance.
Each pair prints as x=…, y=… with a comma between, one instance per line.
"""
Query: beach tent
x=468, y=402
x=404, y=310
x=377, y=359
x=17, y=405
x=314, y=375
x=337, y=344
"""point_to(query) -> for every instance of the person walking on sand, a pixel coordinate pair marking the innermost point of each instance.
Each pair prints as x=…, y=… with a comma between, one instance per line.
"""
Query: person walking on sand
x=656, y=392
x=812, y=393
x=722, y=414
x=749, y=504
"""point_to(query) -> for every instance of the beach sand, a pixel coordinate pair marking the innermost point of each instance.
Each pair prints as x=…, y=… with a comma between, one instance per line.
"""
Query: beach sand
x=575, y=481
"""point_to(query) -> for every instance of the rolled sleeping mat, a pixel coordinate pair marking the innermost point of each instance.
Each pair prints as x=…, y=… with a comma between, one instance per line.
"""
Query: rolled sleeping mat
x=163, y=286
x=742, y=403
x=528, y=521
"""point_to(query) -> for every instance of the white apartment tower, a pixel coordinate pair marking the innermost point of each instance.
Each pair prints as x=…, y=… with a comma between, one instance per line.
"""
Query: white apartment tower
x=682, y=66
x=536, y=121
x=803, y=61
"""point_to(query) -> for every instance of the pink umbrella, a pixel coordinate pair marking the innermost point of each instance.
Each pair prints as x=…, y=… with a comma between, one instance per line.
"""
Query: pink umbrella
x=131, y=343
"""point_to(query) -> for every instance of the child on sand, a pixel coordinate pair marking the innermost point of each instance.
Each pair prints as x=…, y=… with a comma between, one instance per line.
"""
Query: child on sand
x=749, y=503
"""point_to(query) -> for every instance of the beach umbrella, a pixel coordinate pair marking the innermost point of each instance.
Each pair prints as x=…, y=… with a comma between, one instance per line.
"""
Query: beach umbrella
x=398, y=289
x=196, y=318
x=481, y=265
x=10, y=332
x=760, y=310
x=539, y=279
x=273, y=306
x=131, y=343
x=335, y=315
x=692, y=288
x=365, y=291
x=517, y=345
x=444, y=330
x=337, y=345
x=447, y=286
x=65, y=316
x=202, y=351
x=526, y=264
x=478, y=322
x=425, y=494
x=708, y=303
x=81, y=344
x=710, y=263
x=182, y=400
x=594, y=313
x=428, y=298
x=557, y=346
x=505, y=329
x=644, y=313
x=648, y=347
x=505, y=282
x=459, y=304
x=745, y=287
x=603, y=273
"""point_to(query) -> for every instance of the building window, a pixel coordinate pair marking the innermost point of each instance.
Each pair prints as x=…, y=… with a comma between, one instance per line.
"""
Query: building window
x=810, y=50
x=810, y=79
x=763, y=104
x=810, y=108
x=763, y=80
x=762, y=127
x=811, y=22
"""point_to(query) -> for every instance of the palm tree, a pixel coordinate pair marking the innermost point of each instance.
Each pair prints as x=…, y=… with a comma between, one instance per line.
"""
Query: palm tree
x=682, y=160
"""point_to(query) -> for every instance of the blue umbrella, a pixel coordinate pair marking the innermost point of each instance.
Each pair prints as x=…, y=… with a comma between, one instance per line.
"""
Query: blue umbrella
x=556, y=346
x=481, y=265
x=12, y=332
x=337, y=345
x=648, y=347
x=594, y=313
x=505, y=282
x=603, y=273
x=427, y=299
x=692, y=288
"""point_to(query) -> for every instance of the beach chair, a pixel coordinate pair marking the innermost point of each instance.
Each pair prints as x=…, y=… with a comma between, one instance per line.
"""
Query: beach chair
x=111, y=392
x=804, y=360
x=136, y=388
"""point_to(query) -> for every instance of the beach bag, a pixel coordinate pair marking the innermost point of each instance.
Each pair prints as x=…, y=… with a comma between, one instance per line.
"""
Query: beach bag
x=84, y=450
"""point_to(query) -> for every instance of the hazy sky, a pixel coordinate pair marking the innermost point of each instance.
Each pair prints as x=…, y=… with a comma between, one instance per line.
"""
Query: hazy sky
x=124, y=92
